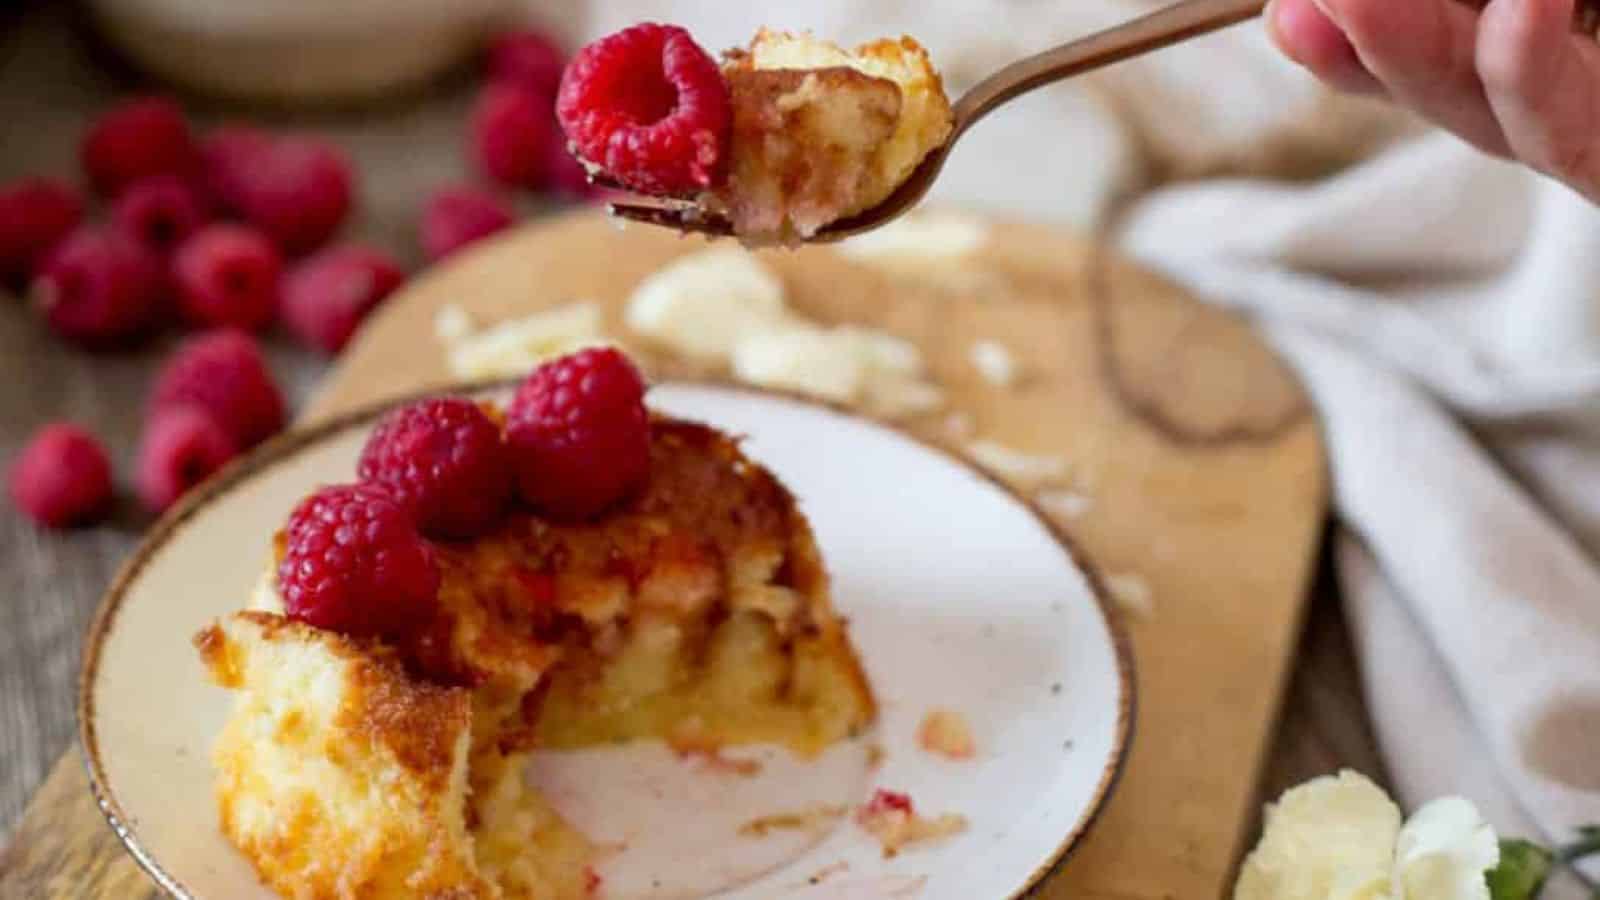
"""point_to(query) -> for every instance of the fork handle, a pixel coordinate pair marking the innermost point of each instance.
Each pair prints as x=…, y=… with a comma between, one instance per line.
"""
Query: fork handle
x=1162, y=28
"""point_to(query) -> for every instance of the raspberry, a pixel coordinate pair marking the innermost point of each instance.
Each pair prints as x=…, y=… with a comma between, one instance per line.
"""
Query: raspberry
x=511, y=126
x=222, y=373
x=455, y=217
x=650, y=107
x=181, y=447
x=35, y=214
x=527, y=58
x=578, y=433
x=296, y=189
x=61, y=478
x=141, y=138
x=227, y=155
x=227, y=275
x=100, y=288
x=443, y=460
x=326, y=296
x=160, y=211
x=353, y=562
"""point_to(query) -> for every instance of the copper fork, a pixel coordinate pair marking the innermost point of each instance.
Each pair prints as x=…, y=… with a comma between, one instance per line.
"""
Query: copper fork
x=1162, y=28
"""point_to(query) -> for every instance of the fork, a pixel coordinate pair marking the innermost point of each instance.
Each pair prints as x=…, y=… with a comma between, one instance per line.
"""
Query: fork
x=1162, y=28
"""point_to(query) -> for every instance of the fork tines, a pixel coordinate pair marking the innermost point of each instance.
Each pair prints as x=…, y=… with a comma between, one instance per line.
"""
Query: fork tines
x=677, y=211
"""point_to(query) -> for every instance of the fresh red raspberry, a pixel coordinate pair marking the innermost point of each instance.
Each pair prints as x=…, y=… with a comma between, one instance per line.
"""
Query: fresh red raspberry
x=444, y=460
x=160, y=211
x=579, y=434
x=527, y=58
x=222, y=372
x=326, y=296
x=138, y=139
x=35, y=214
x=227, y=155
x=181, y=447
x=511, y=126
x=61, y=478
x=99, y=288
x=455, y=217
x=650, y=107
x=227, y=275
x=353, y=562
x=296, y=189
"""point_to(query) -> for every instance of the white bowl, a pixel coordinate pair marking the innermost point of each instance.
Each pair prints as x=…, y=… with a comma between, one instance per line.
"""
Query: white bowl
x=959, y=595
x=293, y=52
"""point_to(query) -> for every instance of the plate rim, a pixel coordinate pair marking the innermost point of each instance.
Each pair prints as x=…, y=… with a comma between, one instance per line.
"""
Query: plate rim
x=298, y=437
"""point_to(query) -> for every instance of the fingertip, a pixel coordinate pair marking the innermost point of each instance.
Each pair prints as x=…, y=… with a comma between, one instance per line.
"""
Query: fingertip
x=1309, y=37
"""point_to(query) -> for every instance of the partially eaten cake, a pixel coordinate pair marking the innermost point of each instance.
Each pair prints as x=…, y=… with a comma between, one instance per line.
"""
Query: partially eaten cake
x=386, y=759
x=787, y=136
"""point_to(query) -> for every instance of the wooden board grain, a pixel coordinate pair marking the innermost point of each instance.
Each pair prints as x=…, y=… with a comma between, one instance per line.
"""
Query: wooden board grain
x=1202, y=464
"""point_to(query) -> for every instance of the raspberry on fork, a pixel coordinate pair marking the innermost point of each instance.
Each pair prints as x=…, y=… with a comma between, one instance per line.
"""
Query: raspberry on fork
x=444, y=460
x=579, y=434
x=650, y=108
x=353, y=562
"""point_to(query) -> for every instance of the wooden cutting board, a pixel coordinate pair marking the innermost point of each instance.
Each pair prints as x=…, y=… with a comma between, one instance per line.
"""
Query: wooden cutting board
x=1194, y=446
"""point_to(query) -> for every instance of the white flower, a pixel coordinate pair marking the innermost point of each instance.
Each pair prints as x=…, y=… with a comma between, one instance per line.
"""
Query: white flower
x=1340, y=838
x=1443, y=852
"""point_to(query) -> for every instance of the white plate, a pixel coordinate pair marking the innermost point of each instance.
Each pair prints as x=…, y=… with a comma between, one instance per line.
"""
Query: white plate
x=959, y=595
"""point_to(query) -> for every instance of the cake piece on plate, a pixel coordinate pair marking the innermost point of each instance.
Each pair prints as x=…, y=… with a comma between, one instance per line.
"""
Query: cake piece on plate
x=386, y=759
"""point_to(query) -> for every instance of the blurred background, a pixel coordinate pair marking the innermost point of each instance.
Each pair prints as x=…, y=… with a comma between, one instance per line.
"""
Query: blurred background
x=405, y=99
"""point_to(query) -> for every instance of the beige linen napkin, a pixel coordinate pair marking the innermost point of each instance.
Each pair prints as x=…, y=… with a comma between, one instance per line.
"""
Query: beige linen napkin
x=1442, y=308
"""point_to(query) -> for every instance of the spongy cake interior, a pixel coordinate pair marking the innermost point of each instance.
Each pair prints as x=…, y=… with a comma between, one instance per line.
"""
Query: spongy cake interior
x=821, y=133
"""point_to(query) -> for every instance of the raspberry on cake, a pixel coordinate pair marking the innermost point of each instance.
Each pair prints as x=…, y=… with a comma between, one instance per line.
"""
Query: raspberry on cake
x=688, y=603
x=806, y=133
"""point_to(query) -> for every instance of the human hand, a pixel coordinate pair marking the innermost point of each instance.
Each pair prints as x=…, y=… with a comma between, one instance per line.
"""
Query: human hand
x=1515, y=79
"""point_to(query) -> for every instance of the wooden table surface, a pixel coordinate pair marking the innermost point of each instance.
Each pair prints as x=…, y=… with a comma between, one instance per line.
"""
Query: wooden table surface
x=50, y=84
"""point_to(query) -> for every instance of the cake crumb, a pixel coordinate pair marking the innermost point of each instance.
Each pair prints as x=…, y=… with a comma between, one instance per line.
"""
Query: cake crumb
x=876, y=755
x=451, y=323
x=805, y=820
x=891, y=817
x=994, y=362
x=515, y=346
x=1029, y=469
x=1131, y=593
x=1064, y=504
x=945, y=733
